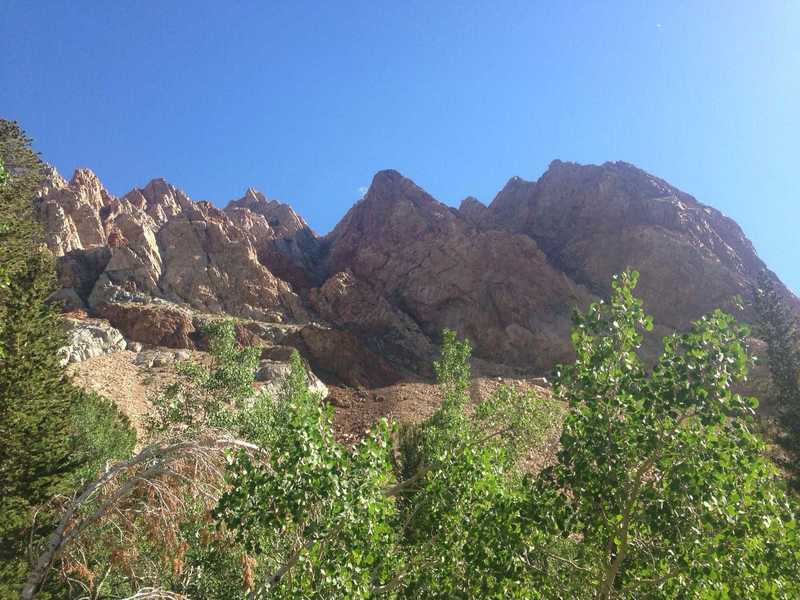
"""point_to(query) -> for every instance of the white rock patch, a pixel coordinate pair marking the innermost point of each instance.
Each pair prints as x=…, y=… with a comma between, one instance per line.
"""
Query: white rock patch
x=90, y=338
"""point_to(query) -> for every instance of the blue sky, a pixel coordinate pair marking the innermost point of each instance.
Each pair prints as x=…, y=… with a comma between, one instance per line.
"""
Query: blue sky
x=306, y=100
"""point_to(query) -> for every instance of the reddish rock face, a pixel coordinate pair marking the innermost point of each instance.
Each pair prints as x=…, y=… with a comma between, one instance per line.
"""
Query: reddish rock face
x=594, y=221
x=149, y=324
x=495, y=287
x=472, y=210
x=367, y=303
x=341, y=357
x=508, y=275
x=354, y=305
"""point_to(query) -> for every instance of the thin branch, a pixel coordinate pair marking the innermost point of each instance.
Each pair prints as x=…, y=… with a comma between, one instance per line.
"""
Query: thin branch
x=68, y=530
x=273, y=580
x=397, y=488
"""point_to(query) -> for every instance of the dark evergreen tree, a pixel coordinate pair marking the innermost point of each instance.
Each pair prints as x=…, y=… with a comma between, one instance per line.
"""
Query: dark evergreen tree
x=777, y=326
x=39, y=407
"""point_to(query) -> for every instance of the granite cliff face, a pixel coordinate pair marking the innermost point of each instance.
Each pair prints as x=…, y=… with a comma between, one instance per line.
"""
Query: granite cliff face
x=366, y=303
x=156, y=243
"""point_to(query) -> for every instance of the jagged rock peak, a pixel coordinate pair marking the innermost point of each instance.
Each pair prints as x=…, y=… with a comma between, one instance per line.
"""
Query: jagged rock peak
x=628, y=178
x=51, y=179
x=396, y=207
x=281, y=217
x=469, y=202
x=252, y=199
x=516, y=183
x=505, y=207
x=160, y=199
x=387, y=176
x=85, y=177
x=253, y=195
x=390, y=184
x=70, y=211
x=158, y=189
x=473, y=210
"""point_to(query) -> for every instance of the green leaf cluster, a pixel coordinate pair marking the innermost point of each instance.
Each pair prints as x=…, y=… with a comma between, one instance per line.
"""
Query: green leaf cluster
x=312, y=504
x=660, y=480
x=205, y=396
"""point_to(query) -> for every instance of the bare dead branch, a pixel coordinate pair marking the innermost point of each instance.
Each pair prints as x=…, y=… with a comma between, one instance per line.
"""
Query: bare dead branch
x=159, y=457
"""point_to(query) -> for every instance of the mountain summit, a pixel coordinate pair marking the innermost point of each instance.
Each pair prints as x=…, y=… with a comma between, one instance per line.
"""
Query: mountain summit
x=399, y=266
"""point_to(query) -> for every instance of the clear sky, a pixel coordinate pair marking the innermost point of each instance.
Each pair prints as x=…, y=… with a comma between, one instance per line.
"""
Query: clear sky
x=306, y=100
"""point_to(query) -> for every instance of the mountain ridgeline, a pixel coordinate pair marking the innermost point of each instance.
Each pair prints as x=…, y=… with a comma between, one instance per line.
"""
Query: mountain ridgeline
x=368, y=301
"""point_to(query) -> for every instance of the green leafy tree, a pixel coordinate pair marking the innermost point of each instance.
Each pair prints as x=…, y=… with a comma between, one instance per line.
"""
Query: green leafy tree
x=660, y=482
x=203, y=396
x=462, y=491
x=99, y=433
x=429, y=510
x=312, y=507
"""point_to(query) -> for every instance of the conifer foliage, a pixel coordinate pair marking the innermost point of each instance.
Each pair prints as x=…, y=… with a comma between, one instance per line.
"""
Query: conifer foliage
x=40, y=434
x=777, y=326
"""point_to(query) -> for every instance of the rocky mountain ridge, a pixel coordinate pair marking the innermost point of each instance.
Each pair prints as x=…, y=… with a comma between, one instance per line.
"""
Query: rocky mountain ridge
x=365, y=304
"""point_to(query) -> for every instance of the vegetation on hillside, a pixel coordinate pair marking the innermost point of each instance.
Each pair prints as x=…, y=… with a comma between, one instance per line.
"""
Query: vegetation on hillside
x=660, y=488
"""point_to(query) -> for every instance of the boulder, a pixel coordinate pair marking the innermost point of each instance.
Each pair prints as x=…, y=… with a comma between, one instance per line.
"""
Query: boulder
x=151, y=324
x=67, y=300
x=159, y=357
x=90, y=338
x=273, y=373
x=277, y=353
